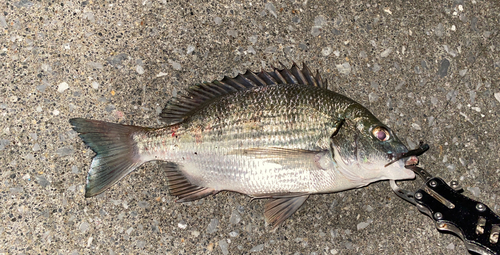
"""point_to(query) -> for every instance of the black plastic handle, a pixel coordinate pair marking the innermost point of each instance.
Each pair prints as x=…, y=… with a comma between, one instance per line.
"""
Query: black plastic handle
x=473, y=221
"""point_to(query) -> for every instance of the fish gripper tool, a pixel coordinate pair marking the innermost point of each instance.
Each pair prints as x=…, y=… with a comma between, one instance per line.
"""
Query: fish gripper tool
x=474, y=222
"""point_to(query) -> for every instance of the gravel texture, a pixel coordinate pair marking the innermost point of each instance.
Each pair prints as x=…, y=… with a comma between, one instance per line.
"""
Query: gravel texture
x=428, y=69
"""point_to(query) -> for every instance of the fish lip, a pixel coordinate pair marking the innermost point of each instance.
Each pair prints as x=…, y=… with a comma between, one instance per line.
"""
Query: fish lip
x=410, y=155
x=408, y=160
x=411, y=161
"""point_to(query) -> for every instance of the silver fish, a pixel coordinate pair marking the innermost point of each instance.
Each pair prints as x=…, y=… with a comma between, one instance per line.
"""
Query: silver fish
x=280, y=135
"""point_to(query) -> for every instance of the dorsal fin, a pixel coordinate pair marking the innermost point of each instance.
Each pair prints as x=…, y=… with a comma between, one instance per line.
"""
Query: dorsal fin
x=185, y=104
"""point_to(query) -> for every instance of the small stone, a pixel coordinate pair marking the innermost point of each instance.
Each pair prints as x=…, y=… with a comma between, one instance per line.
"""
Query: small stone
x=195, y=233
x=16, y=190
x=232, y=32
x=36, y=147
x=233, y=234
x=270, y=49
x=3, y=22
x=362, y=54
x=271, y=9
x=95, y=85
x=320, y=21
x=62, y=87
x=143, y=204
x=39, y=109
x=139, y=69
x=326, y=51
x=497, y=96
x=386, y=53
x=257, y=248
x=223, y=246
x=373, y=97
x=65, y=151
x=117, y=60
x=27, y=177
x=55, y=112
x=210, y=247
x=443, y=68
x=376, y=67
x=74, y=169
x=190, y=49
x=182, y=225
x=72, y=188
x=212, y=226
x=450, y=246
x=129, y=230
x=175, y=65
x=253, y=39
x=88, y=16
x=218, y=20
x=315, y=31
x=235, y=217
x=344, y=68
x=89, y=241
x=42, y=181
x=349, y=245
x=452, y=96
x=251, y=50
x=84, y=227
x=475, y=191
x=415, y=126
x=110, y=108
x=368, y=208
x=161, y=74
x=439, y=30
x=462, y=72
x=363, y=225
x=95, y=65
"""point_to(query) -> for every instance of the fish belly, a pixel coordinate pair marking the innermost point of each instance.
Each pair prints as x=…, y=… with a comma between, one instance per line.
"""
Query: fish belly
x=222, y=167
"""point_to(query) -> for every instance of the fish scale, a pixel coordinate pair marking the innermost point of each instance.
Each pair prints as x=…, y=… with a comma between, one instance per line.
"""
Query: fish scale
x=255, y=134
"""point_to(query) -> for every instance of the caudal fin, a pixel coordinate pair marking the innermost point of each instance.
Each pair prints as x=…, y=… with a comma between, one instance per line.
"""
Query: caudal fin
x=117, y=153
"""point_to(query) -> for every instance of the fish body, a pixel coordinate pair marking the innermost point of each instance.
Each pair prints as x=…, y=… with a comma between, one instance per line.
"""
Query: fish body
x=280, y=135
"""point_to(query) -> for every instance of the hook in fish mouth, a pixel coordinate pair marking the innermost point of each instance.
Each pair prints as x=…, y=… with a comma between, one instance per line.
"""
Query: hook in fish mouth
x=412, y=154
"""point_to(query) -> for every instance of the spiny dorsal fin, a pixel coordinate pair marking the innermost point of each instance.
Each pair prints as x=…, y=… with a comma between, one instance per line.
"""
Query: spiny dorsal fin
x=184, y=105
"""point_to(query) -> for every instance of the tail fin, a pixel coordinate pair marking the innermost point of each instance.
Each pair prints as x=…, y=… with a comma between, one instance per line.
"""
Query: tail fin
x=117, y=153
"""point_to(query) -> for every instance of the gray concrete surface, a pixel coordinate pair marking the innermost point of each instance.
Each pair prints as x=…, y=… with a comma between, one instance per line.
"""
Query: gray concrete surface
x=429, y=69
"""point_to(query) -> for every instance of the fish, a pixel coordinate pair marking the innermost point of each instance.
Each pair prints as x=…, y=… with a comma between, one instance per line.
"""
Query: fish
x=280, y=135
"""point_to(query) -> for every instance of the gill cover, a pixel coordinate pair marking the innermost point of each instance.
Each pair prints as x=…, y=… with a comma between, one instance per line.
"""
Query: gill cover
x=362, y=146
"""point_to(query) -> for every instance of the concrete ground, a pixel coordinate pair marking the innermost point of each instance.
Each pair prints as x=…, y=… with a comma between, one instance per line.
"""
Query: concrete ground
x=428, y=69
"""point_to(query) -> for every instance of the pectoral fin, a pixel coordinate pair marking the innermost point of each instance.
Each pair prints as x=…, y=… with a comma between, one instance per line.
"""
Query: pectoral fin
x=276, y=211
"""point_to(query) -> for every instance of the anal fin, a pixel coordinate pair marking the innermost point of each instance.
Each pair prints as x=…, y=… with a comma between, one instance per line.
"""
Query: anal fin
x=276, y=211
x=180, y=187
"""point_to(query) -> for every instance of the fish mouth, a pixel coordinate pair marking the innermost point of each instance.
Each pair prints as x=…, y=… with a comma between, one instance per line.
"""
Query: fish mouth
x=411, y=155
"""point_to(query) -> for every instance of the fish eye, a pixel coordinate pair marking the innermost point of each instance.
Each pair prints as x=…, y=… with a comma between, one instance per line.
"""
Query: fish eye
x=381, y=133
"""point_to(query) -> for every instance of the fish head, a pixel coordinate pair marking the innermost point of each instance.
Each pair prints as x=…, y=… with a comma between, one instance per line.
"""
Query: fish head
x=364, y=150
